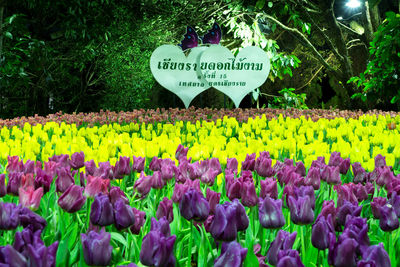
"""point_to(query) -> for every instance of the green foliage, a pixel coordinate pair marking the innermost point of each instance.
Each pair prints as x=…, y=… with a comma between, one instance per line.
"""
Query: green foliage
x=289, y=99
x=380, y=83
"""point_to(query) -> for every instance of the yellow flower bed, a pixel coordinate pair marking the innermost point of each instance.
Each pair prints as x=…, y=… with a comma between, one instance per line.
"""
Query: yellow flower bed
x=300, y=139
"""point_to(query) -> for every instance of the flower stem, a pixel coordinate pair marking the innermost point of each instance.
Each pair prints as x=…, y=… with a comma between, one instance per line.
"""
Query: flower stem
x=189, y=261
x=303, y=248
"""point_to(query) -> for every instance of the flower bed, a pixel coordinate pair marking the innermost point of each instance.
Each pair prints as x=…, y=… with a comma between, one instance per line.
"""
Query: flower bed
x=217, y=195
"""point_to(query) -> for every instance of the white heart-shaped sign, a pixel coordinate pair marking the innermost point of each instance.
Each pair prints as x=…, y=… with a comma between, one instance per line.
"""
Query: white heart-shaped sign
x=178, y=73
x=235, y=77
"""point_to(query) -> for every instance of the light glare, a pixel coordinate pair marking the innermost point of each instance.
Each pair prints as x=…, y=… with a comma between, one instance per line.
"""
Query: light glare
x=353, y=4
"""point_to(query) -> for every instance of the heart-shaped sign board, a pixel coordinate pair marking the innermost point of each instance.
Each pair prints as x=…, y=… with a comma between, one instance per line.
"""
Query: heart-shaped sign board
x=234, y=76
x=178, y=73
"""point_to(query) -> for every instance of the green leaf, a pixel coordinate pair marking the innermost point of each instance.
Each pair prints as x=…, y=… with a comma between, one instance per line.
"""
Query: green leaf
x=260, y=4
x=62, y=253
x=118, y=237
x=8, y=35
x=270, y=4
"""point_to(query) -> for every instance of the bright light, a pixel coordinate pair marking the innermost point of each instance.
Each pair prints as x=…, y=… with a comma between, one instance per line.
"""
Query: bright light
x=339, y=18
x=353, y=3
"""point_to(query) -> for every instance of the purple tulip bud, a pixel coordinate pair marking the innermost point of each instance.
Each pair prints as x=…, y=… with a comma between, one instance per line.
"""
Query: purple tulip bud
x=208, y=222
x=263, y=167
x=3, y=189
x=194, y=206
x=209, y=176
x=101, y=211
x=155, y=164
x=345, y=193
x=313, y=178
x=14, y=182
x=50, y=167
x=385, y=178
x=328, y=207
x=122, y=168
x=347, y=209
x=138, y=164
x=231, y=165
x=232, y=254
x=143, y=184
x=9, y=216
x=331, y=175
x=344, y=166
x=249, y=163
x=234, y=189
x=179, y=191
x=388, y=220
x=140, y=219
x=300, y=168
x=213, y=199
x=72, y=199
x=124, y=216
x=165, y=209
x=11, y=257
x=62, y=160
x=283, y=241
x=31, y=220
x=269, y=187
x=157, y=182
x=30, y=197
x=343, y=254
x=335, y=159
x=301, y=211
x=116, y=193
x=270, y=213
x=359, y=173
x=360, y=191
x=43, y=180
x=248, y=194
x=161, y=226
x=357, y=229
x=157, y=250
x=321, y=231
x=376, y=204
x=289, y=258
x=96, y=248
x=77, y=160
x=303, y=191
x=376, y=254
x=64, y=179
x=29, y=167
x=380, y=161
x=168, y=170
x=96, y=185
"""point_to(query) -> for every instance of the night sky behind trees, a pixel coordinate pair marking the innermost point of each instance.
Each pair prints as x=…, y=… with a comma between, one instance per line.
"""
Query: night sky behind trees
x=84, y=55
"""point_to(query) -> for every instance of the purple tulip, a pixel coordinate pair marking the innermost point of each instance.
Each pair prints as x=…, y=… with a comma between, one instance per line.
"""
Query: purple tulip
x=124, y=216
x=231, y=165
x=157, y=249
x=343, y=254
x=77, y=160
x=29, y=167
x=168, y=170
x=72, y=199
x=9, y=216
x=263, y=166
x=335, y=159
x=328, y=207
x=347, y=209
x=14, y=164
x=64, y=179
x=96, y=185
x=376, y=204
x=194, y=206
x=157, y=182
x=234, y=189
x=179, y=191
x=213, y=199
x=96, y=248
x=181, y=151
x=30, y=197
x=283, y=241
x=313, y=178
x=62, y=160
x=14, y=182
x=50, y=167
x=388, y=220
x=229, y=218
x=162, y=225
x=395, y=202
x=11, y=257
x=321, y=231
x=248, y=194
x=249, y=163
x=155, y=164
x=357, y=229
x=209, y=176
x=143, y=184
x=269, y=187
x=359, y=173
x=344, y=166
x=31, y=220
x=101, y=211
x=3, y=189
x=116, y=193
x=232, y=255
x=331, y=175
x=380, y=161
x=300, y=168
x=122, y=168
x=165, y=209
x=43, y=180
x=140, y=219
x=360, y=191
x=301, y=211
x=270, y=213
x=138, y=164
x=289, y=258
x=345, y=193
x=376, y=254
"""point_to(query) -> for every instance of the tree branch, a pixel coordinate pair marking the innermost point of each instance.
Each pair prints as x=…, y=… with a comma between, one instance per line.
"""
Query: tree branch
x=315, y=75
x=307, y=43
x=1, y=27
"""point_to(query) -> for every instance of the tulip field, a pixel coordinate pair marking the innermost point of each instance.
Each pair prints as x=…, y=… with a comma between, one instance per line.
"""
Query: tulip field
x=201, y=187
